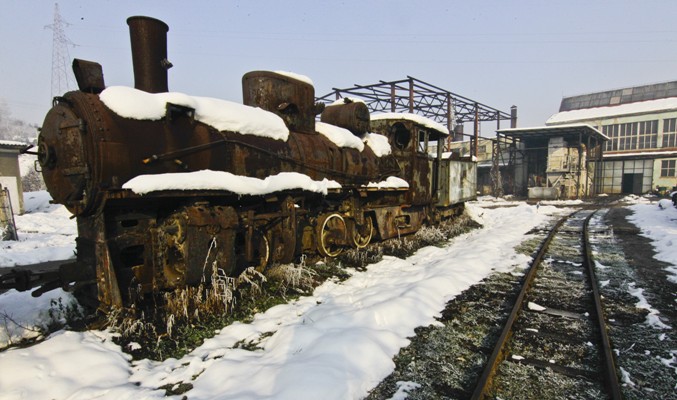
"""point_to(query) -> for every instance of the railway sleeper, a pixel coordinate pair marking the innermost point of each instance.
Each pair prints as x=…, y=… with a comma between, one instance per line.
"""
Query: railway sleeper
x=589, y=375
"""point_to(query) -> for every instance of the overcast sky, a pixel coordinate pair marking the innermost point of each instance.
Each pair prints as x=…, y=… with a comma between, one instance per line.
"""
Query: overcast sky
x=500, y=53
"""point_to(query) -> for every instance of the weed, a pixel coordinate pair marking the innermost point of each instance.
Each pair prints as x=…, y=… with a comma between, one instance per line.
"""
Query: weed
x=173, y=323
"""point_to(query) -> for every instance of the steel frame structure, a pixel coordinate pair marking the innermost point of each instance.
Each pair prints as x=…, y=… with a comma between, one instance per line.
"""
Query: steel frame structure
x=416, y=96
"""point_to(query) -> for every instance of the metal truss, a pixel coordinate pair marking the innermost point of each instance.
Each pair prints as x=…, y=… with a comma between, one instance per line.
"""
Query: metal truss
x=415, y=96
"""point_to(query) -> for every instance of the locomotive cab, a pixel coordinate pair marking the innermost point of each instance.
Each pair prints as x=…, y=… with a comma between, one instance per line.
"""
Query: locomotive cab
x=417, y=144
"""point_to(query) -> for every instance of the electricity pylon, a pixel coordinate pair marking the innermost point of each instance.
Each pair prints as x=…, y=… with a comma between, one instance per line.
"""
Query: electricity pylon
x=62, y=80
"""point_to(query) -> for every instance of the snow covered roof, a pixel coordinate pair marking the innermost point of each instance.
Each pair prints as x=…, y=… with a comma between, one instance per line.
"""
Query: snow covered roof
x=554, y=130
x=641, y=107
x=10, y=144
x=427, y=122
x=221, y=114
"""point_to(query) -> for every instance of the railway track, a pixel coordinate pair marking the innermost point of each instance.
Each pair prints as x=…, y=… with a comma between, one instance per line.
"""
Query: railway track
x=556, y=329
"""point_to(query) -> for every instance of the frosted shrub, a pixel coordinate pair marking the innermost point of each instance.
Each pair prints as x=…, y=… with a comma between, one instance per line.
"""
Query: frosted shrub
x=298, y=277
x=360, y=258
x=431, y=236
x=400, y=247
x=250, y=276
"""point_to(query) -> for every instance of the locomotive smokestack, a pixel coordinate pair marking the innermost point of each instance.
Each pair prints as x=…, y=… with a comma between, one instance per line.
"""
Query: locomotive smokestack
x=149, y=53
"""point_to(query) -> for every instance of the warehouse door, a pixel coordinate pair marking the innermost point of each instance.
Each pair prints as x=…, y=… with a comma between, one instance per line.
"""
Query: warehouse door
x=632, y=183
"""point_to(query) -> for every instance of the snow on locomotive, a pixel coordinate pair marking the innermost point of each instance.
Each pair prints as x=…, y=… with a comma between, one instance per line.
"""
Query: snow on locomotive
x=163, y=183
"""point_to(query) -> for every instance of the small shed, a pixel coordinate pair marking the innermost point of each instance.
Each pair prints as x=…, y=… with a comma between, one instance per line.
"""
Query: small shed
x=10, y=174
x=554, y=162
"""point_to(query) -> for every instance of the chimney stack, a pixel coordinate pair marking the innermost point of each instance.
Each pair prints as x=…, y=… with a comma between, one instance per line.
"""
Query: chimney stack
x=149, y=53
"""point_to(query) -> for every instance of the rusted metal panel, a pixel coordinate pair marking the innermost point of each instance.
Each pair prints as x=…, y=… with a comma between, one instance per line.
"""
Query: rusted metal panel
x=353, y=116
x=289, y=98
x=395, y=221
x=191, y=240
x=89, y=76
x=458, y=182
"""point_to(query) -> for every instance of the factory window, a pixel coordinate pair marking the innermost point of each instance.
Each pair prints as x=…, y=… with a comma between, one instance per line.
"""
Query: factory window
x=667, y=168
x=670, y=132
x=632, y=136
x=647, y=134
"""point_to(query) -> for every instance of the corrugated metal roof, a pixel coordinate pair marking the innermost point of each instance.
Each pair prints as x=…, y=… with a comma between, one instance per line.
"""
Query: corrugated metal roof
x=620, y=96
x=556, y=130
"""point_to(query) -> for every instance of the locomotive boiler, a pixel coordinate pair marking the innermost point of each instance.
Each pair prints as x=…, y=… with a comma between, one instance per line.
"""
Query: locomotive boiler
x=163, y=184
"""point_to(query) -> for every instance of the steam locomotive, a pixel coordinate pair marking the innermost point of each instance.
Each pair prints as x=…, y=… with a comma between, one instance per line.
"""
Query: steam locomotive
x=163, y=184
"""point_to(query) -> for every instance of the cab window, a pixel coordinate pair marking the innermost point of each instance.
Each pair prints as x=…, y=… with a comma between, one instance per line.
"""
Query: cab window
x=401, y=136
x=422, y=141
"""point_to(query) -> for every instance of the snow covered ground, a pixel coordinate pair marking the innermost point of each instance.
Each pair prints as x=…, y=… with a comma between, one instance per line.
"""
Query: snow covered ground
x=45, y=231
x=336, y=344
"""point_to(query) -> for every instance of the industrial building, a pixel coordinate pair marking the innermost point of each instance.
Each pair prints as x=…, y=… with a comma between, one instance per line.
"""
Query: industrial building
x=550, y=162
x=641, y=123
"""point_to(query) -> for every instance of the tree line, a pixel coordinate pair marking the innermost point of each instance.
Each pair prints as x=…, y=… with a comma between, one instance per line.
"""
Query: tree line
x=20, y=131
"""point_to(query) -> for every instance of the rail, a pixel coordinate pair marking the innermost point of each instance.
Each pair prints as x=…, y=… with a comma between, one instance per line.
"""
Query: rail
x=610, y=379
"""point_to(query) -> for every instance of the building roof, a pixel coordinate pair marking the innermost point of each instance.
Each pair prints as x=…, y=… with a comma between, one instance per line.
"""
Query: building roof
x=10, y=144
x=620, y=96
x=642, y=107
x=570, y=130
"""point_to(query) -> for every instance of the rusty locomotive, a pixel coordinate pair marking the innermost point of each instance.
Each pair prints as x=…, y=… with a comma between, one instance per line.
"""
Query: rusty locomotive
x=313, y=193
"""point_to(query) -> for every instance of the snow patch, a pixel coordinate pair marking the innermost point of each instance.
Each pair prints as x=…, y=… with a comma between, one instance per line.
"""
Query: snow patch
x=403, y=389
x=427, y=122
x=24, y=317
x=535, y=307
x=346, y=100
x=652, y=319
x=392, y=182
x=378, y=143
x=339, y=136
x=46, y=233
x=295, y=76
x=659, y=226
x=625, y=378
x=223, y=115
x=220, y=180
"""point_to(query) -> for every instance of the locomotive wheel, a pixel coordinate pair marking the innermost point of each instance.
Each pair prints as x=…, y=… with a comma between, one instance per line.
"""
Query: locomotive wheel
x=361, y=234
x=261, y=252
x=331, y=235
